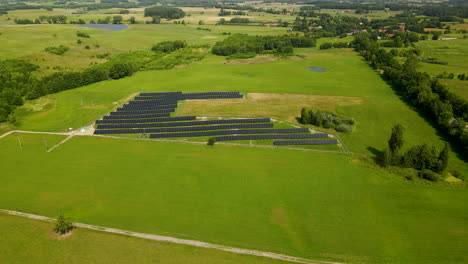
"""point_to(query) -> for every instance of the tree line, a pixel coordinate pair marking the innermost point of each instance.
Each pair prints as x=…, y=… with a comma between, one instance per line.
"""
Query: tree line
x=164, y=12
x=240, y=43
x=448, y=111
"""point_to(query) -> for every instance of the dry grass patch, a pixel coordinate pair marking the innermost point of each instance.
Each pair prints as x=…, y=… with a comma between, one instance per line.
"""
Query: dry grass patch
x=282, y=106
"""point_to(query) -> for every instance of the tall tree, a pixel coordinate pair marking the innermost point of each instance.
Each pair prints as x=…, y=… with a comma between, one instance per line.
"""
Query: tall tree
x=396, y=139
x=442, y=161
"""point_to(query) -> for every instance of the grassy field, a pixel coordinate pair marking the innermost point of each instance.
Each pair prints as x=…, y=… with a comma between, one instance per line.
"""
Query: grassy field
x=348, y=76
x=334, y=208
x=30, y=241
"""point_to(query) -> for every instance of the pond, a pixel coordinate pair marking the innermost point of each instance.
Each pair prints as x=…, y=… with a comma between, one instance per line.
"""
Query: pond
x=316, y=69
x=111, y=27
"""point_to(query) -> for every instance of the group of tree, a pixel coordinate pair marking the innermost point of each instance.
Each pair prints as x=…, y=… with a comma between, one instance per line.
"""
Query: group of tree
x=164, y=12
x=239, y=20
x=240, y=43
x=444, y=108
x=169, y=46
x=224, y=12
x=329, y=45
x=59, y=50
x=424, y=158
x=326, y=119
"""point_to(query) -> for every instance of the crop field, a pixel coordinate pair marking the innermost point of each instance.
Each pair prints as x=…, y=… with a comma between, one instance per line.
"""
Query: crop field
x=30, y=241
x=333, y=209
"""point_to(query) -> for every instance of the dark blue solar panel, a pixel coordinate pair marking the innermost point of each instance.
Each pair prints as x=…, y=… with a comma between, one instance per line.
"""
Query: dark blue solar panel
x=121, y=111
x=306, y=142
x=229, y=132
x=145, y=120
x=192, y=123
x=258, y=137
x=136, y=117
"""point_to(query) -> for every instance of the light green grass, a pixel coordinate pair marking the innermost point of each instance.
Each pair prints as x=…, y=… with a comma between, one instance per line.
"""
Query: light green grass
x=315, y=205
x=31, y=241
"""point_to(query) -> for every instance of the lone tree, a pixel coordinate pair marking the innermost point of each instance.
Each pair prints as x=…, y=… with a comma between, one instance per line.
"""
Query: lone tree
x=396, y=139
x=211, y=141
x=63, y=225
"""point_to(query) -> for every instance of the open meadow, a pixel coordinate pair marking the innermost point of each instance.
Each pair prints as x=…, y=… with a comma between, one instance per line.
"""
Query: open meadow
x=31, y=241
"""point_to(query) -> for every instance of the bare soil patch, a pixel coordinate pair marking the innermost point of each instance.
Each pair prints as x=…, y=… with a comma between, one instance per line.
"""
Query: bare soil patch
x=209, y=37
x=52, y=234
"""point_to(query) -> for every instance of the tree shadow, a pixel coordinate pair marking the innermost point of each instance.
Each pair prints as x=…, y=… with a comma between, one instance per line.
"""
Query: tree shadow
x=377, y=155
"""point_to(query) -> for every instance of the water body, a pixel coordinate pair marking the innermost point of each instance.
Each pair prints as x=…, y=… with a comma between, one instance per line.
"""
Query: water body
x=111, y=27
x=316, y=69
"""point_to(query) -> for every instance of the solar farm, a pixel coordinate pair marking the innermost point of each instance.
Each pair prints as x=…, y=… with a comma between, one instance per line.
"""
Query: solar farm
x=153, y=113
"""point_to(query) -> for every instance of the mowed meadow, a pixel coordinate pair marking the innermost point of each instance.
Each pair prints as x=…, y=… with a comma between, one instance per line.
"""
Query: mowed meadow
x=31, y=241
x=316, y=205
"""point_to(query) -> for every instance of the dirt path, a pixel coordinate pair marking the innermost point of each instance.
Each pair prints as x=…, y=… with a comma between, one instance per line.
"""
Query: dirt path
x=35, y=132
x=178, y=240
x=61, y=142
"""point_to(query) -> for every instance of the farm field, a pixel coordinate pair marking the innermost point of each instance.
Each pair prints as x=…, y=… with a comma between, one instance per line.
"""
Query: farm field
x=333, y=209
x=31, y=241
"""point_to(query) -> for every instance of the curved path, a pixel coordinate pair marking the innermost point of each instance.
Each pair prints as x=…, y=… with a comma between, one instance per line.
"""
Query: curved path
x=178, y=240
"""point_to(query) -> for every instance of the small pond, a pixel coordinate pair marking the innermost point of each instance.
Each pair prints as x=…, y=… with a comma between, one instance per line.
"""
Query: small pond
x=316, y=69
x=111, y=27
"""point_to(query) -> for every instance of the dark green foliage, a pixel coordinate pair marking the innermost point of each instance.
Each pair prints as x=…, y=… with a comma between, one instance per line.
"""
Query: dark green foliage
x=386, y=158
x=82, y=34
x=429, y=175
x=211, y=141
x=325, y=119
x=239, y=20
x=165, y=12
x=60, y=50
x=120, y=70
x=420, y=157
x=117, y=20
x=124, y=12
x=395, y=143
x=59, y=19
x=443, y=159
x=63, y=225
x=156, y=20
x=326, y=46
x=132, y=20
x=169, y=46
x=273, y=44
x=457, y=174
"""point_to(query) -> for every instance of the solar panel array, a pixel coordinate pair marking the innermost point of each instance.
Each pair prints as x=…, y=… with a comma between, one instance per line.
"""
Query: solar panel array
x=306, y=142
x=151, y=113
x=229, y=132
x=136, y=117
x=183, y=118
x=258, y=137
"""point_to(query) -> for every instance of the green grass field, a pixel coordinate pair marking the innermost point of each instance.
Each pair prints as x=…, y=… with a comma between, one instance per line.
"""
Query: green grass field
x=348, y=75
x=30, y=241
x=333, y=209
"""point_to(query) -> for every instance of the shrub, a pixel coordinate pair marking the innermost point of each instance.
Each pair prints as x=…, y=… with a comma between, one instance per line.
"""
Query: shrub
x=326, y=46
x=60, y=50
x=457, y=174
x=211, y=141
x=343, y=128
x=429, y=175
x=82, y=34
x=63, y=225
x=169, y=46
x=239, y=20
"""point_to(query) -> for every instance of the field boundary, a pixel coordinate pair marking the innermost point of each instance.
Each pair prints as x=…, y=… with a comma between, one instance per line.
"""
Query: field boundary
x=175, y=240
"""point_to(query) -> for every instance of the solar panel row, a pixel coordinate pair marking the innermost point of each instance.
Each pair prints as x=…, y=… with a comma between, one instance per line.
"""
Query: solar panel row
x=147, y=120
x=148, y=107
x=257, y=137
x=306, y=142
x=153, y=102
x=160, y=94
x=186, y=129
x=126, y=111
x=136, y=117
x=191, y=123
x=187, y=97
x=228, y=132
